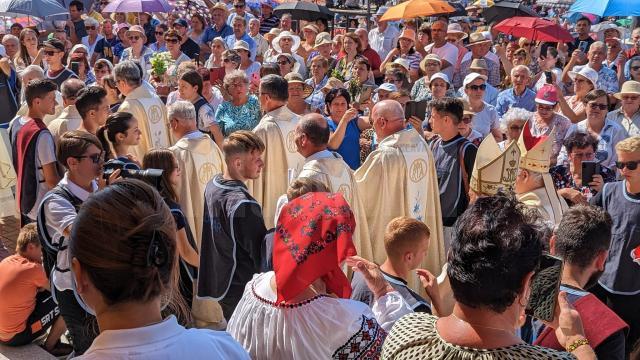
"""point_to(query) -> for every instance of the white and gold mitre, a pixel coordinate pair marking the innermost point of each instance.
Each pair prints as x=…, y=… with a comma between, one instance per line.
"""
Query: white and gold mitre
x=535, y=151
x=495, y=170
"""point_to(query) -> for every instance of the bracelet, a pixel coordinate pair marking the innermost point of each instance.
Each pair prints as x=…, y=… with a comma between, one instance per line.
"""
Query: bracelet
x=576, y=344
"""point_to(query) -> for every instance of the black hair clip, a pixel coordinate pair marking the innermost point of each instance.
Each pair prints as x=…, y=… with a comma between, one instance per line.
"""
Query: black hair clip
x=157, y=255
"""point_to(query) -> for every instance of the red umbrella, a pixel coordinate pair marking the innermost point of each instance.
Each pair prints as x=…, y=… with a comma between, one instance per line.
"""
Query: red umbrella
x=533, y=28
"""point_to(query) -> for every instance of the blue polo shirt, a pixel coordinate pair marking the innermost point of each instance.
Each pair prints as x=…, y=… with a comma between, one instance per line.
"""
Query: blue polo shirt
x=211, y=32
x=508, y=99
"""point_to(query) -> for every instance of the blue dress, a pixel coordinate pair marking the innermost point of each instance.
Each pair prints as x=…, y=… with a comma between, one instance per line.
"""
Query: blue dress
x=232, y=118
x=350, y=147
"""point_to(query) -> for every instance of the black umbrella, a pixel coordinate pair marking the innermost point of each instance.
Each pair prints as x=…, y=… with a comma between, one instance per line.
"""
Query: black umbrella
x=506, y=9
x=302, y=10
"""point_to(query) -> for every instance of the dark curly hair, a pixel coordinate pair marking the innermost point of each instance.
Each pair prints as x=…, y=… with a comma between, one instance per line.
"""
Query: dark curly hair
x=495, y=247
x=580, y=140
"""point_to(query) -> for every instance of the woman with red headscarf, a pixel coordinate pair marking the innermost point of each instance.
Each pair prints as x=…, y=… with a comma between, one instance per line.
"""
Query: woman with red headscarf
x=302, y=310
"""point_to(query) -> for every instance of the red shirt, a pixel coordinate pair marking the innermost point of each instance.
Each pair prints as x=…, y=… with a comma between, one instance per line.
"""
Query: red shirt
x=373, y=57
x=631, y=52
x=20, y=279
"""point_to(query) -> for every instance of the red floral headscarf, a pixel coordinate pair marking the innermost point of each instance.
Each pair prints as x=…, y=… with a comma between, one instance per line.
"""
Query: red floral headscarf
x=312, y=239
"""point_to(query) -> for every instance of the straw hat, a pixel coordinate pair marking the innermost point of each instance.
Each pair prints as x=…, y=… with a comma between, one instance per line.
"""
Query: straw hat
x=322, y=39
x=137, y=29
x=456, y=29
x=276, y=42
x=408, y=34
x=399, y=63
x=220, y=6
x=430, y=57
x=241, y=45
x=332, y=83
x=629, y=87
x=311, y=27
x=479, y=64
x=295, y=78
x=477, y=38
x=272, y=34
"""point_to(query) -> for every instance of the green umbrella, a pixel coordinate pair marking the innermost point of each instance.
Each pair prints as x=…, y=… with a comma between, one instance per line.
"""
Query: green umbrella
x=624, y=22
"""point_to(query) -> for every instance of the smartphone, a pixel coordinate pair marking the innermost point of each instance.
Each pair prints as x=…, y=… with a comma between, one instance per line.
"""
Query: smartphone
x=75, y=67
x=582, y=46
x=548, y=77
x=415, y=108
x=544, y=288
x=216, y=74
x=589, y=168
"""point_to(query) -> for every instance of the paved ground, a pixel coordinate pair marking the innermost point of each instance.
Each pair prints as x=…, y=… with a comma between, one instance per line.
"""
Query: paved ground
x=9, y=229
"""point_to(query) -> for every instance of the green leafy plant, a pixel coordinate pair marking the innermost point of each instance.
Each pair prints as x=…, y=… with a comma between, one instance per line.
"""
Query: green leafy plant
x=160, y=63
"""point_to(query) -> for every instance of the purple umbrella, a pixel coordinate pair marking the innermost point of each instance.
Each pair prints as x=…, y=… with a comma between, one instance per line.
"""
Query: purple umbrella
x=138, y=6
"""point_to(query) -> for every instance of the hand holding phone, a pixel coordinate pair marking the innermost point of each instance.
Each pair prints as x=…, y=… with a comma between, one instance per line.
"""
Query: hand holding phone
x=589, y=169
x=583, y=46
x=548, y=77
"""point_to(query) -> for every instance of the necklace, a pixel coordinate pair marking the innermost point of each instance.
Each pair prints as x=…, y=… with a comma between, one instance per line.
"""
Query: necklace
x=510, y=332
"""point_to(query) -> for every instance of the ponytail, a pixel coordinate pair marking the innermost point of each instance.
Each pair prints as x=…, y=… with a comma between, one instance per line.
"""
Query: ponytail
x=116, y=123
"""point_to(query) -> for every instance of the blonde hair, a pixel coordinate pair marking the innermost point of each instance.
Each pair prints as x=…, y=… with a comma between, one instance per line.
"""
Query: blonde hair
x=629, y=145
x=403, y=234
x=28, y=235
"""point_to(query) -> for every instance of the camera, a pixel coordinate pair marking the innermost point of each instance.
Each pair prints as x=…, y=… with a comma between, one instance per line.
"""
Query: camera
x=151, y=176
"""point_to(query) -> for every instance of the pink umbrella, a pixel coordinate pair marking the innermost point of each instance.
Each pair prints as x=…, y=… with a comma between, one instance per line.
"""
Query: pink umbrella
x=138, y=6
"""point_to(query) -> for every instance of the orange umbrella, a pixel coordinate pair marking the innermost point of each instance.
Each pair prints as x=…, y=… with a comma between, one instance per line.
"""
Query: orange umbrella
x=417, y=8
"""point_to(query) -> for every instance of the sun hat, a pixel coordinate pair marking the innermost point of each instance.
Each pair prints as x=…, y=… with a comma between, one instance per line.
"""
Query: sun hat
x=118, y=27
x=629, y=87
x=136, y=29
x=295, y=78
x=479, y=64
x=399, y=62
x=311, y=27
x=477, y=38
x=381, y=10
x=322, y=39
x=77, y=47
x=332, y=83
x=441, y=76
x=276, y=42
x=408, y=34
x=429, y=57
x=547, y=95
x=241, y=45
x=181, y=22
x=471, y=77
x=272, y=34
x=386, y=87
x=220, y=6
x=456, y=29
x=585, y=72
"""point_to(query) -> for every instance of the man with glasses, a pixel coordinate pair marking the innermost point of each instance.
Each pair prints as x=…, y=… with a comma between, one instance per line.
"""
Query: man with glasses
x=33, y=149
x=607, y=78
x=619, y=285
x=75, y=25
x=399, y=179
x=447, y=51
x=187, y=46
x=628, y=115
x=82, y=156
x=239, y=7
x=104, y=46
x=53, y=54
x=519, y=95
x=454, y=157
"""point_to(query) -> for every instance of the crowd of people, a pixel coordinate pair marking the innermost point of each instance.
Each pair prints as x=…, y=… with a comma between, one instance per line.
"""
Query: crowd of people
x=239, y=184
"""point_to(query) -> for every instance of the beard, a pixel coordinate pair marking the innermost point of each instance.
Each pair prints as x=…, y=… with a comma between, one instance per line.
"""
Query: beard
x=593, y=279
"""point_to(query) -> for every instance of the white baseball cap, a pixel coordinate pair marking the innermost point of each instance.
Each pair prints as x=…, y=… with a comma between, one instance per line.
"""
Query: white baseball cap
x=442, y=76
x=471, y=77
x=387, y=87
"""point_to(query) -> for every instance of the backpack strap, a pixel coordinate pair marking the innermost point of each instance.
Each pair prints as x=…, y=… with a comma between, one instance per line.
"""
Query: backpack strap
x=463, y=169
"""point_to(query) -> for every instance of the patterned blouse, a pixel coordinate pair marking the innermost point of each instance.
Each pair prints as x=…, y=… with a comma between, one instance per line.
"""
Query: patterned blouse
x=233, y=118
x=415, y=336
x=562, y=179
x=420, y=91
x=560, y=123
x=413, y=59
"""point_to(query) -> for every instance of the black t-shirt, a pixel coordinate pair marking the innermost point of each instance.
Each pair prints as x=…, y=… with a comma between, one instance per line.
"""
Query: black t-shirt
x=104, y=48
x=190, y=48
x=80, y=30
x=574, y=45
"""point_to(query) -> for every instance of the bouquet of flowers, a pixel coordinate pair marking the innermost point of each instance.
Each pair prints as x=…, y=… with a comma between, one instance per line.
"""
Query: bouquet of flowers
x=160, y=63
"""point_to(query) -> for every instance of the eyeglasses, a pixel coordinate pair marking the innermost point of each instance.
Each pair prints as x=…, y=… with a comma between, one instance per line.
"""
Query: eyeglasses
x=238, y=6
x=515, y=127
x=635, y=68
x=283, y=62
x=595, y=106
x=477, y=87
x=91, y=27
x=136, y=38
x=50, y=52
x=631, y=165
x=159, y=33
x=171, y=41
x=546, y=107
x=226, y=60
x=95, y=158
x=588, y=156
x=467, y=119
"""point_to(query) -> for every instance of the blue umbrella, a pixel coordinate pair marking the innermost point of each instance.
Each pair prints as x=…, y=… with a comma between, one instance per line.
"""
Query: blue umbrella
x=37, y=8
x=607, y=7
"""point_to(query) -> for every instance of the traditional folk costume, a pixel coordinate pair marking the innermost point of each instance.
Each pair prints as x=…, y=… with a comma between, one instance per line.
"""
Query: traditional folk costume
x=151, y=114
x=399, y=179
x=328, y=168
x=536, y=157
x=200, y=160
x=281, y=160
x=312, y=239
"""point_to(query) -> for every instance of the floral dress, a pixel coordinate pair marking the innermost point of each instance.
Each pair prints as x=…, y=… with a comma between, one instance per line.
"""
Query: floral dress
x=232, y=118
x=562, y=179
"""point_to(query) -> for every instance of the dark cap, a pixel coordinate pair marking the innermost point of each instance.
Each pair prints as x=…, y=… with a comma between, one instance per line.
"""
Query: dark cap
x=181, y=22
x=54, y=44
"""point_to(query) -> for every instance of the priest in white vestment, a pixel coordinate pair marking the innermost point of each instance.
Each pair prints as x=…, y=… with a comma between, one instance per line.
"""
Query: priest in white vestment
x=327, y=167
x=145, y=106
x=200, y=160
x=399, y=179
x=281, y=158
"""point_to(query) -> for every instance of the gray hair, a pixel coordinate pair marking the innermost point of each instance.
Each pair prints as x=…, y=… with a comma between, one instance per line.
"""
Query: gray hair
x=275, y=86
x=254, y=20
x=8, y=37
x=71, y=88
x=129, y=72
x=240, y=18
x=521, y=68
x=231, y=77
x=515, y=113
x=89, y=21
x=32, y=69
x=599, y=44
x=182, y=110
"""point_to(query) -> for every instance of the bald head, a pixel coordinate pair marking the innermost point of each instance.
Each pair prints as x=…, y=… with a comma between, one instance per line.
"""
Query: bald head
x=70, y=90
x=315, y=127
x=388, y=118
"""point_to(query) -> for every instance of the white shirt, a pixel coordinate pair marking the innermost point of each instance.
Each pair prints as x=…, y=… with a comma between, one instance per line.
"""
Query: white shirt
x=45, y=154
x=316, y=330
x=59, y=214
x=166, y=340
x=486, y=120
x=91, y=47
x=383, y=42
x=611, y=134
x=448, y=52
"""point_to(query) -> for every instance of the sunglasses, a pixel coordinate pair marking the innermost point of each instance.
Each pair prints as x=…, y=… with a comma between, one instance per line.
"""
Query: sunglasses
x=50, y=52
x=91, y=27
x=95, y=158
x=631, y=165
x=136, y=38
x=546, y=107
x=171, y=41
x=159, y=33
x=238, y=6
x=595, y=106
x=467, y=119
x=635, y=68
x=477, y=87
